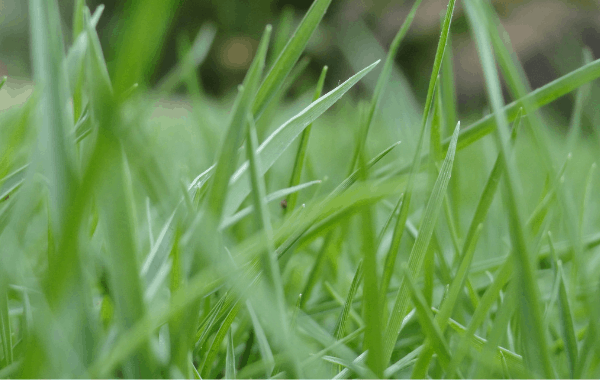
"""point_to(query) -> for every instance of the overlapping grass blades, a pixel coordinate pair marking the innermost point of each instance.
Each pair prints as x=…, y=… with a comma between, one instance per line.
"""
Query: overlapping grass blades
x=113, y=266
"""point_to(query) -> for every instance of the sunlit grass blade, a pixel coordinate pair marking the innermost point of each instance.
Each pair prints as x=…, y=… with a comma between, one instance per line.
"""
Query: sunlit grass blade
x=288, y=57
x=301, y=153
x=272, y=148
x=194, y=57
x=415, y=260
x=3, y=81
x=415, y=166
x=225, y=161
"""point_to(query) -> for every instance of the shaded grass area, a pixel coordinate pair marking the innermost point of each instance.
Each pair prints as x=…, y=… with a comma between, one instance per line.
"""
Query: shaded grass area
x=251, y=237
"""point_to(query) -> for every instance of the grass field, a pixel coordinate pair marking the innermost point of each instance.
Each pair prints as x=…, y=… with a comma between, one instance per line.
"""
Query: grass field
x=145, y=234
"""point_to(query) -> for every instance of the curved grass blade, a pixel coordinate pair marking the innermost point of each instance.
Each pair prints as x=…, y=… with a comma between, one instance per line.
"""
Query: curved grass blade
x=299, y=161
x=288, y=57
x=390, y=259
x=270, y=150
x=415, y=260
x=3, y=81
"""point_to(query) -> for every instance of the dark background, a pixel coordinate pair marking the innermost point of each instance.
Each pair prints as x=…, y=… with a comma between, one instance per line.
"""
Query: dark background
x=548, y=37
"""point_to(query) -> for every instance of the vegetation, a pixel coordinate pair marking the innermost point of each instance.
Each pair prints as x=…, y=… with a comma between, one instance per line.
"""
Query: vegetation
x=468, y=249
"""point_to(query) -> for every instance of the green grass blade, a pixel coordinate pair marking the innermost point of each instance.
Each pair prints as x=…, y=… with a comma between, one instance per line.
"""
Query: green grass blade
x=532, y=101
x=340, y=326
x=288, y=57
x=299, y=161
x=263, y=344
x=3, y=81
x=282, y=33
x=129, y=341
x=415, y=260
x=218, y=340
x=566, y=315
x=372, y=311
x=537, y=354
x=138, y=43
x=513, y=360
x=382, y=81
x=406, y=361
x=567, y=324
x=581, y=98
x=194, y=58
x=230, y=370
x=226, y=158
x=5, y=331
x=277, y=195
x=489, y=297
x=416, y=164
x=270, y=150
x=428, y=325
x=449, y=302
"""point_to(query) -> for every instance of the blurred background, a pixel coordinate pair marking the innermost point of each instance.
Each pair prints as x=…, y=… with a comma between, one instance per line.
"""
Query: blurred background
x=548, y=37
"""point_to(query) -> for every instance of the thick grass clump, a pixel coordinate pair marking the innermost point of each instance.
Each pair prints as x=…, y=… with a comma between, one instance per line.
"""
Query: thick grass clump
x=252, y=237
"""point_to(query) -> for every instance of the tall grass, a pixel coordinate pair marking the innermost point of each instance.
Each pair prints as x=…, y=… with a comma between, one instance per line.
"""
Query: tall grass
x=134, y=244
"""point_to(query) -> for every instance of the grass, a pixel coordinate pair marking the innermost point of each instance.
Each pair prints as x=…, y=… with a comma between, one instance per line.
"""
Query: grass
x=150, y=246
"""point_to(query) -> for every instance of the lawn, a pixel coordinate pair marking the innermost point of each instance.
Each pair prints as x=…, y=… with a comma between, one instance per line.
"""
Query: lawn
x=150, y=232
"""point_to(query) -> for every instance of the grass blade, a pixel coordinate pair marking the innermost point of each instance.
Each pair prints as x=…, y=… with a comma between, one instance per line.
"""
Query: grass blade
x=288, y=57
x=230, y=370
x=431, y=328
x=416, y=163
x=299, y=161
x=218, y=339
x=194, y=58
x=270, y=150
x=415, y=260
x=340, y=326
x=537, y=354
x=225, y=162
